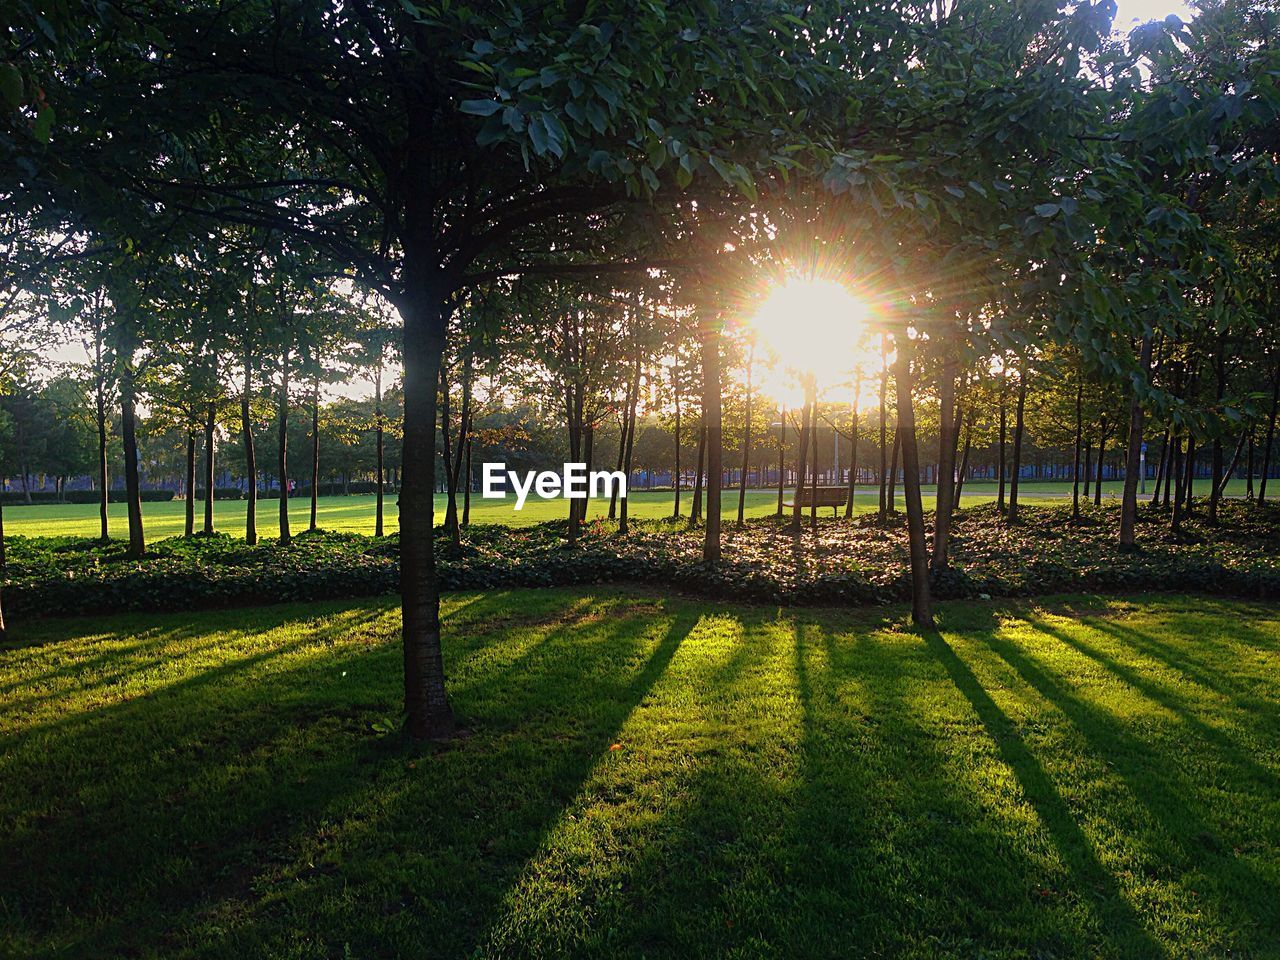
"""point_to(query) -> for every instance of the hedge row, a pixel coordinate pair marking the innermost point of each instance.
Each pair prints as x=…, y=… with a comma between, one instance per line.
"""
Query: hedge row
x=17, y=498
x=844, y=564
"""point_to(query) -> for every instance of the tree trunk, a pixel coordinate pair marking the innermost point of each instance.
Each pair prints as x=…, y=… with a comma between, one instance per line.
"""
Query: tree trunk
x=250, y=458
x=315, y=454
x=426, y=702
x=711, y=406
x=921, y=603
x=132, y=482
x=853, y=451
x=466, y=485
x=624, y=518
x=782, y=456
x=813, y=422
x=695, y=510
x=1250, y=463
x=675, y=510
x=100, y=397
x=1088, y=468
x=797, y=512
x=1103, y=426
x=190, y=528
x=380, y=439
x=1220, y=388
x=1271, y=434
x=945, y=492
x=891, y=495
x=209, y=425
x=964, y=458
x=282, y=447
x=1075, y=473
x=1018, y=422
x=884, y=427
x=1004, y=429
x=746, y=443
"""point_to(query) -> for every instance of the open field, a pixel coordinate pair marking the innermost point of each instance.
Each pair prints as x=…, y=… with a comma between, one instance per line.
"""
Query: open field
x=356, y=514
x=1077, y=777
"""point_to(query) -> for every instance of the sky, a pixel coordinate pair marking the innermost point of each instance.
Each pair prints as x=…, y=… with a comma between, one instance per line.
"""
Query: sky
x=1129, y=12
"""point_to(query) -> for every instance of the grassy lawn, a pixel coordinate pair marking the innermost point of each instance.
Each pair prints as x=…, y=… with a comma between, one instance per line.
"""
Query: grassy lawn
x=356, y=514
x=648, y=777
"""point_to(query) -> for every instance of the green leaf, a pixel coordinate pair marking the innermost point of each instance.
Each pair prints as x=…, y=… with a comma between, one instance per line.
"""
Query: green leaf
x=1046, y=210
x=11, y=86
x=480, y=108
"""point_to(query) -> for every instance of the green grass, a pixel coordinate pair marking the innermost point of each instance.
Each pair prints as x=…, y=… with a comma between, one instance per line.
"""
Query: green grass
x=356, y=514
x=648, y=777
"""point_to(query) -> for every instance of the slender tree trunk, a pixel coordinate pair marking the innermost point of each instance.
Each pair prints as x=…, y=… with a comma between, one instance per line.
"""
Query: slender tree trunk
x=802, y=468
x=853, y=451
x=746, y=442
x=3, y=560
x=250, y=457
x=1018, y=423
x=1271, y=434
x=884, y=427
x=1220, y=387
x=1133, y=454
x=1162, y=469
x=282, y=447
x=695, y=510
x=380, y=440
x=813, y=420
x=711, y=406
x=1224, y=478
x=624, y=517
x=675, y=510
x=315, y=454
x=1250, y=463
x=466, y=486
x=427, y=705
x=1004, y=429
x=1088, y=468
x=100, y=398
x=945, y=492
x=1103, y=426
x=891, y=496
x=132, y=481
x=964, y=458
x=190, y=506
x=1179, y=481
x=782, y=456
x=921, y=602
x=1075, y=473
x=209, y=426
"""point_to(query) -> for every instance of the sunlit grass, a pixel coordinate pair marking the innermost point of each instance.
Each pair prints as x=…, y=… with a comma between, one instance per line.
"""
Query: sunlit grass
x=356, y=514
x=648, y=776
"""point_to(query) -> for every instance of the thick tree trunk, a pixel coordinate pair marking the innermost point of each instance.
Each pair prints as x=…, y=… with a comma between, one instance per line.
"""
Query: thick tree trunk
x=1018, y=423
x=426, y=702
x=190, y=506
x=945, y=494
x=315, y=455
x=132, y=482
x=209, y=425
x=250, y=458
x=711, y=406
x=921, y=603
x=282, y=447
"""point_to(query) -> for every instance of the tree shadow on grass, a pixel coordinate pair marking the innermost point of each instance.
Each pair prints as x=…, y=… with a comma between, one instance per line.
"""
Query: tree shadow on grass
x=259, y=814
x=1184, y=840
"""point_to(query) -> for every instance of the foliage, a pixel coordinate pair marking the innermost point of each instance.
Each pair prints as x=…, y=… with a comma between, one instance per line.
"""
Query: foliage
x=856, y=562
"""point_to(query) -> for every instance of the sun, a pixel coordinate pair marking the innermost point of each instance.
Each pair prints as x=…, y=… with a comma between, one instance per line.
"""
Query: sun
x=816, y=326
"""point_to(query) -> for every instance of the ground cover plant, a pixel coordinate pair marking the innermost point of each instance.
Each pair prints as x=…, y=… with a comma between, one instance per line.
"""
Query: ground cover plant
x=645, y=776
x=854, y=561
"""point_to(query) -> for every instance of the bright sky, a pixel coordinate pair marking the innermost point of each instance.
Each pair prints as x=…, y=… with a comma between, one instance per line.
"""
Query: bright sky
x=1131, y=12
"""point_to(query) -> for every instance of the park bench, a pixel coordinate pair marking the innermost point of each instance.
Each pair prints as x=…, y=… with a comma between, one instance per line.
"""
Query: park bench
x=833, y=497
